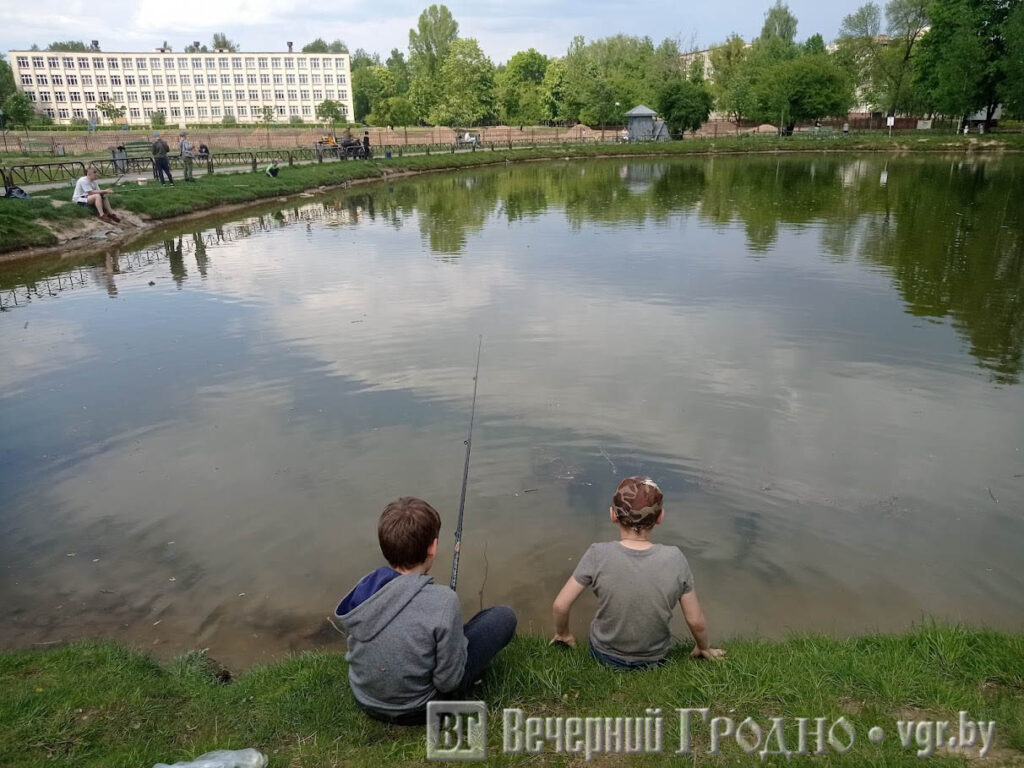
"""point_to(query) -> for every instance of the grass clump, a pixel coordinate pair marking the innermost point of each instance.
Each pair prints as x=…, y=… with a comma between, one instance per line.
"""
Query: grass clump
x=101, y=704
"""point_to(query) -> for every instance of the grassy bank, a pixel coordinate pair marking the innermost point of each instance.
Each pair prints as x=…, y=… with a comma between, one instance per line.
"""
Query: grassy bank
x=39, y=223
x=99, y=704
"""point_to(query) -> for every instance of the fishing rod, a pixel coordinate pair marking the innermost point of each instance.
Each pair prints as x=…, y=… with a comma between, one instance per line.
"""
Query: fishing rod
x=465, y=471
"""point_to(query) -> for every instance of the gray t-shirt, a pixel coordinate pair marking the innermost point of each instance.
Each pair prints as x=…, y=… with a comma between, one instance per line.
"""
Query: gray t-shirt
x=637, y=592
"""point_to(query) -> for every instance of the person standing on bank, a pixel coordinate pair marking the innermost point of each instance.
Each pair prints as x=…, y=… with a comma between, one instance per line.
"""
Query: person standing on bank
x=366, y=143
x=160, y=162
x=186, y=154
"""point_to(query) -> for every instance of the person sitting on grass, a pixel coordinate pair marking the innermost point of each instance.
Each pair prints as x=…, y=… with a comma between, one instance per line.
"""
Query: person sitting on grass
x=406, y=641
x=89, y=195
x=274, y=168
x=637, y=583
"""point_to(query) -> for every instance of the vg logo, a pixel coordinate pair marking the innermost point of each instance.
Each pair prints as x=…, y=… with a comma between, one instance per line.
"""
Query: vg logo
x=456, y=730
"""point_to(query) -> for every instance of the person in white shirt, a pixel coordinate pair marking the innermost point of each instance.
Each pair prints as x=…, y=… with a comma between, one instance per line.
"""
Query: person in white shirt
x=88, y=194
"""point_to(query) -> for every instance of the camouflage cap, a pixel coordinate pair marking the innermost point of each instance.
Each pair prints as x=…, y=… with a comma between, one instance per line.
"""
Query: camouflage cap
x=637, y=503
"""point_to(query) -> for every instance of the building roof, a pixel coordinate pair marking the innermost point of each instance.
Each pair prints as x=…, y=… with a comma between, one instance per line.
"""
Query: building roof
x=641, y=111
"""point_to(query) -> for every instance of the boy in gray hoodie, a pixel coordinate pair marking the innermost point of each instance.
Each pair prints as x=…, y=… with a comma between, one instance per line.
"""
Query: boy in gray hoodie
x=406, y=641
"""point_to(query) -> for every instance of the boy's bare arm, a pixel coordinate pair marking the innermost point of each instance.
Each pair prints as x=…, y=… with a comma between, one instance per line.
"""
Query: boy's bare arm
x=694, y=616
x=563, y=604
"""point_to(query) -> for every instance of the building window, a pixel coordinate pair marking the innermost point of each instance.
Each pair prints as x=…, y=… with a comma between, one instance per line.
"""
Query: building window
x=278, y=94
x=262, y=62
x=278, y=80
x=31, y=95
x=172, y=79
x=129, y=79
x=147, y=111
x=292, y=94
x=168, y=63
x=330, y=94
x=225, y=79
x=223, y=62
x=97, y=63
x=62, y=114
x=317, y=95
x=182, y=62
x=77, y=113
x=214, y=96
x=303, y=79
x=154, y=63
x=289, y=63
x=72, y=79
x=104, y=95
x=126, y=63
x=143, y=80
x=197, y=63
x=69, y=63
x=315, y=63
x=58, y=80
x=199, y=80
x=140, y=63
x=203, y=111
x=265, y=79
x=243, y=111
x=226, y=95
x=250, y=79
x=172, y=95
x=23, y=61
x=328, y=79
x=236, y=62
x=316, y=79
x=301, y=63
x=75, y=96
x=159, y=96
x=275, y=62
x=291, y=79
x=86, y=79
x=239, y=79
x=115, y=79
x=49, y=113
x=27, y=79
x=190, y=112
x=240, y=95
x=327, y=63
x=44, y=95
x=52, y=62
x=281, y=110
x=254, y=95
x=175, y=111
x=250, y=62
x=158, y=80
x=93, y=115
x=112, y=64
x=215, y=111
x=267, y=95
x=304, y=95
x=186, y=95
x=119, y=95
x=37, y=61
x=229, y=111
x=211, y=64
x=147, y=96
x=83, y=63
x=90, y=96
x=200, y=95
x=306, y=110
x=101, y=80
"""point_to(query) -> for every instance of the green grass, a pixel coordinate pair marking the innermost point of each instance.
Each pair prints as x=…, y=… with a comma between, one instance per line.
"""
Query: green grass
x=100, y=704
x=21, y=222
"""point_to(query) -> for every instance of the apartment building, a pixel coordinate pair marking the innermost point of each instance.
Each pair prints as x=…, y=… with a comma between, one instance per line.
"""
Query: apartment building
x=186, y=87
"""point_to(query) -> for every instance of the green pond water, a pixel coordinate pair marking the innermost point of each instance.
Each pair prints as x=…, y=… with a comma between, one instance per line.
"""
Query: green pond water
x=817, y=357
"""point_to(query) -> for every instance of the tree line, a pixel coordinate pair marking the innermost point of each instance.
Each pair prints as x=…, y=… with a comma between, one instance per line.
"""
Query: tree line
x=951, y=58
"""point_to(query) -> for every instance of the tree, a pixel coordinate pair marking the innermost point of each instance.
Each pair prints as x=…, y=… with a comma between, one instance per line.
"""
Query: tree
x=397, y=110
x=779, y=24
x=192, y=48
x=67, y=45
x=399, y=69
x=266, y=118
x=329, y=111
x=110, y=111
x=158, y=119
x=294, y=120
x=17, y=110
x=228, y=120
x=322, y=46
x=467, y=86
x=961, y=66
x=883, y=65
x=7, y=86
x=803, y=88
x=371, y=86
x=731, y=83
x=436, y=31
x=1013, y=85
x=221, y=42
x=519, y=88
x=684, y=105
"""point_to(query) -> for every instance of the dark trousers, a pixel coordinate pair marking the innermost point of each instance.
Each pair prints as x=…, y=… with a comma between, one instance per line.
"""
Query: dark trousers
x=162, y=167
x=487, y=632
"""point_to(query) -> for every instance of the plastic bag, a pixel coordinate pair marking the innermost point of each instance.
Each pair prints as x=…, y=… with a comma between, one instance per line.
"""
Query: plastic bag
x=223, y=758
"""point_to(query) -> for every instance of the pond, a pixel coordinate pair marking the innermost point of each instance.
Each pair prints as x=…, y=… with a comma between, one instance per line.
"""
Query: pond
x=817, y=357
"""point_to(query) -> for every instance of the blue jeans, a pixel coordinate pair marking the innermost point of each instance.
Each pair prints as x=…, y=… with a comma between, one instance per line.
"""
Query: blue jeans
x=487, y=632
x=616, y=663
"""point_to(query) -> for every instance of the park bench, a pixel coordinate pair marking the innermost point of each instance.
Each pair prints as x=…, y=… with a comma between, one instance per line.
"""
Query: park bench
x=41, y=147
x=133, y=155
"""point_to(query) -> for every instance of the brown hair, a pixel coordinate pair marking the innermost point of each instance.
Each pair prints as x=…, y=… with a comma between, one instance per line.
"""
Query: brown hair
x=637, y=503
x=407, y=528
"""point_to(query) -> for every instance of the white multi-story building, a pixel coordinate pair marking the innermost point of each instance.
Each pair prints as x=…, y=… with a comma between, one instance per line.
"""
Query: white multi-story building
x=186, y=87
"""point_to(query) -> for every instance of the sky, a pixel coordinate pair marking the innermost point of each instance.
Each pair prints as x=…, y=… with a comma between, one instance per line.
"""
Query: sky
x=502, y=28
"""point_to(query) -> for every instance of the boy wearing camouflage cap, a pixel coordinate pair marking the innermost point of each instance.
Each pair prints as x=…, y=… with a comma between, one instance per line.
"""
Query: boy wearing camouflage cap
x=637, y=583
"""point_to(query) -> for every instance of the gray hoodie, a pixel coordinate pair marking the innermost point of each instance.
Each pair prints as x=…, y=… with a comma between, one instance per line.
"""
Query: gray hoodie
x=405, y=640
